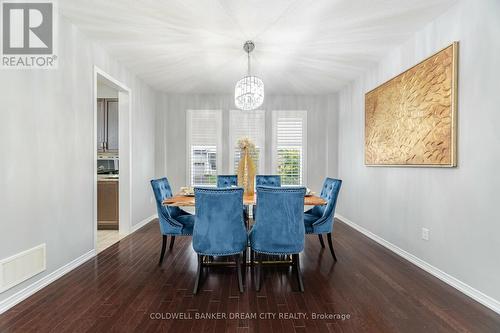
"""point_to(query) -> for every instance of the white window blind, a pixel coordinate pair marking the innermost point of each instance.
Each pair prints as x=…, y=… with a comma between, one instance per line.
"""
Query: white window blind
x=204, y=142
x=250, y=124
x=289, y=146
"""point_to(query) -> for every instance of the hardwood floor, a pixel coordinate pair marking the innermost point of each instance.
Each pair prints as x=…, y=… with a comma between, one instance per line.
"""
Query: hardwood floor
x=123, y=288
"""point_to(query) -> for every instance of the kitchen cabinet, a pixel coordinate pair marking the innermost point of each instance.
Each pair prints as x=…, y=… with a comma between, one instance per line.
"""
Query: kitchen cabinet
x=112, y=129
x=107, y=205
x=100, y=125
x=107, y=125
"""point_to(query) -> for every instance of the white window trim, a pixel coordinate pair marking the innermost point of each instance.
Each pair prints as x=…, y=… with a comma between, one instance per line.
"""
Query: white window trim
x=300, y=114
x=232, y=138
x=189, y=115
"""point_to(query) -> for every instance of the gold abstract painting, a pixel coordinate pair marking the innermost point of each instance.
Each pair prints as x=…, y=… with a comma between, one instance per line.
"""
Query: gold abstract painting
x=411, y=119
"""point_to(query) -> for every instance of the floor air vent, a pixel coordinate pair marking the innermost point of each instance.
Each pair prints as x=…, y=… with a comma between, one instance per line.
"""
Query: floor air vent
x=21, y=266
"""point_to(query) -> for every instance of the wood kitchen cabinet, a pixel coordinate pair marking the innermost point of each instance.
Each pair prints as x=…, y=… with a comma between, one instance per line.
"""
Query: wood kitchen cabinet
x=107, y=125
x=107, y=205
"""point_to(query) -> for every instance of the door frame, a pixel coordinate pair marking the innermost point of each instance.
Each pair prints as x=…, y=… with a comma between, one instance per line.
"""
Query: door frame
x=125, y=152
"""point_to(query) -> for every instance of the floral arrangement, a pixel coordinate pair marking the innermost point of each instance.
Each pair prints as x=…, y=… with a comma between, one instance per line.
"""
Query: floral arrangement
x=246, y=143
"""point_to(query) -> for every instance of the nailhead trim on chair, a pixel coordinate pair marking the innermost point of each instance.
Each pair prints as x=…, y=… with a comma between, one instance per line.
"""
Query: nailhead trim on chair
x=220, y=254
x=276, y=253
x=218, y=191
x=281, y=189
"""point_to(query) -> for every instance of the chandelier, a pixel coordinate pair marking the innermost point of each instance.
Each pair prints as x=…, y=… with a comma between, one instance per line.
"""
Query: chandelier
x=249, y=91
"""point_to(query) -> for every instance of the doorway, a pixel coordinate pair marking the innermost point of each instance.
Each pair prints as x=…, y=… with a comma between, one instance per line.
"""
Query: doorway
x=111, y=160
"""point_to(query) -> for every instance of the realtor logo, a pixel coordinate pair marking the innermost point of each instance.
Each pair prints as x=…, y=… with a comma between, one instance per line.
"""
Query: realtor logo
x=28, y=35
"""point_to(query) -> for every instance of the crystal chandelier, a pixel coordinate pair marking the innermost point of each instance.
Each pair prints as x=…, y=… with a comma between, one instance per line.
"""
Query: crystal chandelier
x=249, y=91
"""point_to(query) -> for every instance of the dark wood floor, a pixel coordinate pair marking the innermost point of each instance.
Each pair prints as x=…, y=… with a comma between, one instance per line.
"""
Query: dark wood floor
x=123, y=287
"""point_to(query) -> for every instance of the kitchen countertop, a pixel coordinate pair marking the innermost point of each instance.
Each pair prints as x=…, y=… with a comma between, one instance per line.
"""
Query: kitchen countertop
x=107, y=178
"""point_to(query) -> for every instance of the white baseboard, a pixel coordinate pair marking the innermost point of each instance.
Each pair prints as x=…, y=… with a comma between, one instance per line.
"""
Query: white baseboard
x=48, y=279
x=44, y=281
x=473, y=293
x=141, y=224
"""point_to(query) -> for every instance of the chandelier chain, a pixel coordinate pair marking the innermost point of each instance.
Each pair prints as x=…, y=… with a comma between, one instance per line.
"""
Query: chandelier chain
x=248, y=69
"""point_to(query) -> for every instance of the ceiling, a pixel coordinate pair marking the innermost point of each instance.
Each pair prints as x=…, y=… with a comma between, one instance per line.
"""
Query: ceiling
x=302, y=46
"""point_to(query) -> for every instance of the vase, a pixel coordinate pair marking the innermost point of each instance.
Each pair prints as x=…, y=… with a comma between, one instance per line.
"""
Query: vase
x=246, y=172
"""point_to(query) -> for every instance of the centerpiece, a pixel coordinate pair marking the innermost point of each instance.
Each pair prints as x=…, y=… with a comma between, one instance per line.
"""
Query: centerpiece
x=246, y=166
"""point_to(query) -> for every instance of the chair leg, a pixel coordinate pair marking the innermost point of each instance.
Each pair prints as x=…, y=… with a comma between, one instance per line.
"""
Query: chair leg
x=163, y=246
x=296, y=261
x=240, y=279
x=320, y=236
x=329, y=237
x=246, y=218
x=258, y=257
x=244, y=259
x=172, y=240
x=198, y=274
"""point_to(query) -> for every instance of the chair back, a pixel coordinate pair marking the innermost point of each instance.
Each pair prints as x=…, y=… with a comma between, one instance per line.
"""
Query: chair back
x=224, y=181
x=219, y=228
x=279, y=226
x=268, y=180
x=329, y=192
x=166, y=214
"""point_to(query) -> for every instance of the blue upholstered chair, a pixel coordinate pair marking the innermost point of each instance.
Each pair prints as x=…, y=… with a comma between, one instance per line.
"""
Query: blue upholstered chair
x=224, y=181
x=319, y=220
x=173, y=220
x=268, y=180
x=219, y=229
x=279, y=226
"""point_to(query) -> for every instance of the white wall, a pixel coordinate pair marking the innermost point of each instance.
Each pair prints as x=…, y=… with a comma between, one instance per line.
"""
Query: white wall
x=47, y=149
x=322, y=131
x=459, y=205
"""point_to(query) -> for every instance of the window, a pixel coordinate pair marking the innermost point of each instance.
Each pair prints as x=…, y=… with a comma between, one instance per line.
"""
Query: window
x=289, y=146
x=203, y=137
x=247, y=124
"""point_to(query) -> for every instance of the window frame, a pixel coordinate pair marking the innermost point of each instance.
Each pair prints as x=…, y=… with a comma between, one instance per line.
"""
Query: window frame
x=218, y=145
x=261, y=167
x=276, y=115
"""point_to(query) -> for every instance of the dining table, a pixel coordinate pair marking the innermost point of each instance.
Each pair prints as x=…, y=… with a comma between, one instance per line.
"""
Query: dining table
x=249, y=199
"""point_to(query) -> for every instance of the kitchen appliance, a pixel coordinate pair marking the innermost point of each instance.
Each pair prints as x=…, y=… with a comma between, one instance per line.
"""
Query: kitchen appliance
x=107, y=164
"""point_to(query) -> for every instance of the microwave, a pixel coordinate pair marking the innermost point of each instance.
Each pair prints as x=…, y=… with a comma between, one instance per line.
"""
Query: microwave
x=107, y=165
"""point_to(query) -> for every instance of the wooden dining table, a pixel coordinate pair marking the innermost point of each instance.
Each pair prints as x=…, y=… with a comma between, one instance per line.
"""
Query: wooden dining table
x=181, y=200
